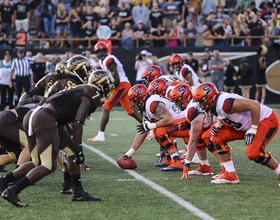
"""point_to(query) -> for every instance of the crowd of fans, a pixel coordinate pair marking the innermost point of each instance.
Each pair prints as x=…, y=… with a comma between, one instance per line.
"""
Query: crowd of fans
x=164, y=23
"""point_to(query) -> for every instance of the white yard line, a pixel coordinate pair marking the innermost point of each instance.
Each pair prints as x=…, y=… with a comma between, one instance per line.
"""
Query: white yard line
x=160, y=189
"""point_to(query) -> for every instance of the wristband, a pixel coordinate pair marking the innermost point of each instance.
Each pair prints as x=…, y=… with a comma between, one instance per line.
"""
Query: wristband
x=152, y=126
x=130, y=152
x=187, y=161
x=254, y=126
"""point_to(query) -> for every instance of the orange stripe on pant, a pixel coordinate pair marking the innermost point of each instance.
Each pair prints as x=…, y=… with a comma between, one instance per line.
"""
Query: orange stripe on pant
x=119, y=96
x=266, y=131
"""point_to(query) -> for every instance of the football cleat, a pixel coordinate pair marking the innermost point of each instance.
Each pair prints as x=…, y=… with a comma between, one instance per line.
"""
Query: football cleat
x=67, y=188
x=84, y=196
x=195, y=159
x=12, y=197
x=3, y=185
x=202, y=170
x=219, y=175
x=230, y=177
x=96, y=138
x=2, y=169
x=174, y=166
x=165, y=163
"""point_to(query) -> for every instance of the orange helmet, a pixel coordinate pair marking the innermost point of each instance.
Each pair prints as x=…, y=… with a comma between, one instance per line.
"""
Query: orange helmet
x=177, y=59
x=205, y=93
x=138, y=95
x=158, y=87
x=100, y=47
x=151, y=73
x=181, y=95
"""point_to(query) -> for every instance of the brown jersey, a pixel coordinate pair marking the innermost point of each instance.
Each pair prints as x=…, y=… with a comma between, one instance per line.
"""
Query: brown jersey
x=42, y=85
x=67, y=102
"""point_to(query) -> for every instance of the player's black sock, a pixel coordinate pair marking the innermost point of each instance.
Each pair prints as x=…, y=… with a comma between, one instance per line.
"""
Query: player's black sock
x=76, y=181
x=67, y=177
x=9, y=178
x=21, y=185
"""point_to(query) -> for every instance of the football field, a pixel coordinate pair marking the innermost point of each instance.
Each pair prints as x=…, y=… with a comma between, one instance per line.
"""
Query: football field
x=147, y=193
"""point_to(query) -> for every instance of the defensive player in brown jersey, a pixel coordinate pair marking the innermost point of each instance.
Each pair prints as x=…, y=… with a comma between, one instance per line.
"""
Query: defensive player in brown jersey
x=73, y=105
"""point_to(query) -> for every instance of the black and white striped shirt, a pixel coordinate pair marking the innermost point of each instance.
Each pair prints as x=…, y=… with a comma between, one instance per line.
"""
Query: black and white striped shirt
x=22, y=67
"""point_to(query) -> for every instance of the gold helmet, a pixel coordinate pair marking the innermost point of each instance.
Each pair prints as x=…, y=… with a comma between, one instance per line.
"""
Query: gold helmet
x=102, y=80
x=79, y=66
x=60, y=67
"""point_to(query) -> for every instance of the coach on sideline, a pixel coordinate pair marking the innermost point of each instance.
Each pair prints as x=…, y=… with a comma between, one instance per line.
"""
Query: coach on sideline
x=22, y=69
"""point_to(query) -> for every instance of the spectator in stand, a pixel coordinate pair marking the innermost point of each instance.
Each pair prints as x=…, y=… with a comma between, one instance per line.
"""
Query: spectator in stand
x=182, y=7
x=226, y=24
x=220, y=4
x=253, y=7
x=277, y=7
x=267, y=15
x=170, y=10
x=231, y=5
x=34, y=13
x=265, y=4
x=230, y=72
x=127, y=36
x=220, y=36
x=38, y=69
x=161, y=66
x=209, y=23
x=216, y=67
x=66, y=3
x=103, y=18
x=237, y=32
x=194, y=8
x=22, y=16
x=75, y=25
x=115, y=32
x=159, y=36
x=124, y=15
x=190, y=32
x=272, y=30
x=62, y=20
x=48, y=12
x=90, y=15
x=87, y=54
x=208, y=7
x=3, y=36
x=173, y=33
x=259, y=15
x=204, y=65
x=257, y=31
x=140, y=13
x=156, y=17
x=192, y=62
x=244, y=3
x=5, y=68
x=245, y=71
x=140, y=33
x=7, y=17
x=87, y=33
x=140, y=64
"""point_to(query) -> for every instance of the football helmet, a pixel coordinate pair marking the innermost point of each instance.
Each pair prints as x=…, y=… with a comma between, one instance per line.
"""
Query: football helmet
x=158, y=87
x=138, y=95
x=177, y=62
x=60, y=67
x=100, y=50
x=205, y=94
x=79, y=66
x=151, y=73
x=181, y=95
x=102, y=80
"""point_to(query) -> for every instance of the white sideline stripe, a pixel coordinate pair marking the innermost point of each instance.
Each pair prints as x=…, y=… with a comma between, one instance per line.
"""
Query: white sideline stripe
x=158, y=188
x=120, y=180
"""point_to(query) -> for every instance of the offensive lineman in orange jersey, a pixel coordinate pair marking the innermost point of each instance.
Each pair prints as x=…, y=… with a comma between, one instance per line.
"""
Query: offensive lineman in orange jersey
x=111, y=64
x=240, y=118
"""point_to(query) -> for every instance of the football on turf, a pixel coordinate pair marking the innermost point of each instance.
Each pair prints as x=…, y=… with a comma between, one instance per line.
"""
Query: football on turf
x=126, y=163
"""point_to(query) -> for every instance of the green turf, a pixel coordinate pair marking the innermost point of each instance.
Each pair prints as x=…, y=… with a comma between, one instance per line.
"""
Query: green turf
x=255, y=197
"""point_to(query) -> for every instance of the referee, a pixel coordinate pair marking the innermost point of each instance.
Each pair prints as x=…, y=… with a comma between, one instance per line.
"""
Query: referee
x=21, y=67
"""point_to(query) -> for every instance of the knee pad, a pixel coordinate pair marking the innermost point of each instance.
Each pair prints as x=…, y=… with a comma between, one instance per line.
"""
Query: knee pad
x=223, y=148
x=200, y=145
x=209, y=144
x=264, y=158
x=166, y=141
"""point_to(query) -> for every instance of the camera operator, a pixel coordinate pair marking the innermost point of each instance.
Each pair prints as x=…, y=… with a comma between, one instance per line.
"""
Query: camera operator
x=140, y=64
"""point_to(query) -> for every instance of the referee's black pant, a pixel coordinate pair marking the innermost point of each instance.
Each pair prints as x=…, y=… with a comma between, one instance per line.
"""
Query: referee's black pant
x=22, y=81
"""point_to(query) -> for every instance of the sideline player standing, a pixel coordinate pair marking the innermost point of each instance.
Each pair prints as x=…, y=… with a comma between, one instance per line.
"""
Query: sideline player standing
x=111, y=64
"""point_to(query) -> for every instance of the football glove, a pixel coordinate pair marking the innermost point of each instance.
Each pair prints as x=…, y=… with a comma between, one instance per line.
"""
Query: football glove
x=249, y=136
x=182, y=125
x=79, y=155
x=216, y=128
x=146, y=127
x=124, y=157
x=186, y=171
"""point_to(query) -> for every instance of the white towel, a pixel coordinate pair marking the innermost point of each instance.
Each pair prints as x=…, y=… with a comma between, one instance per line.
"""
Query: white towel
x=30, y=130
